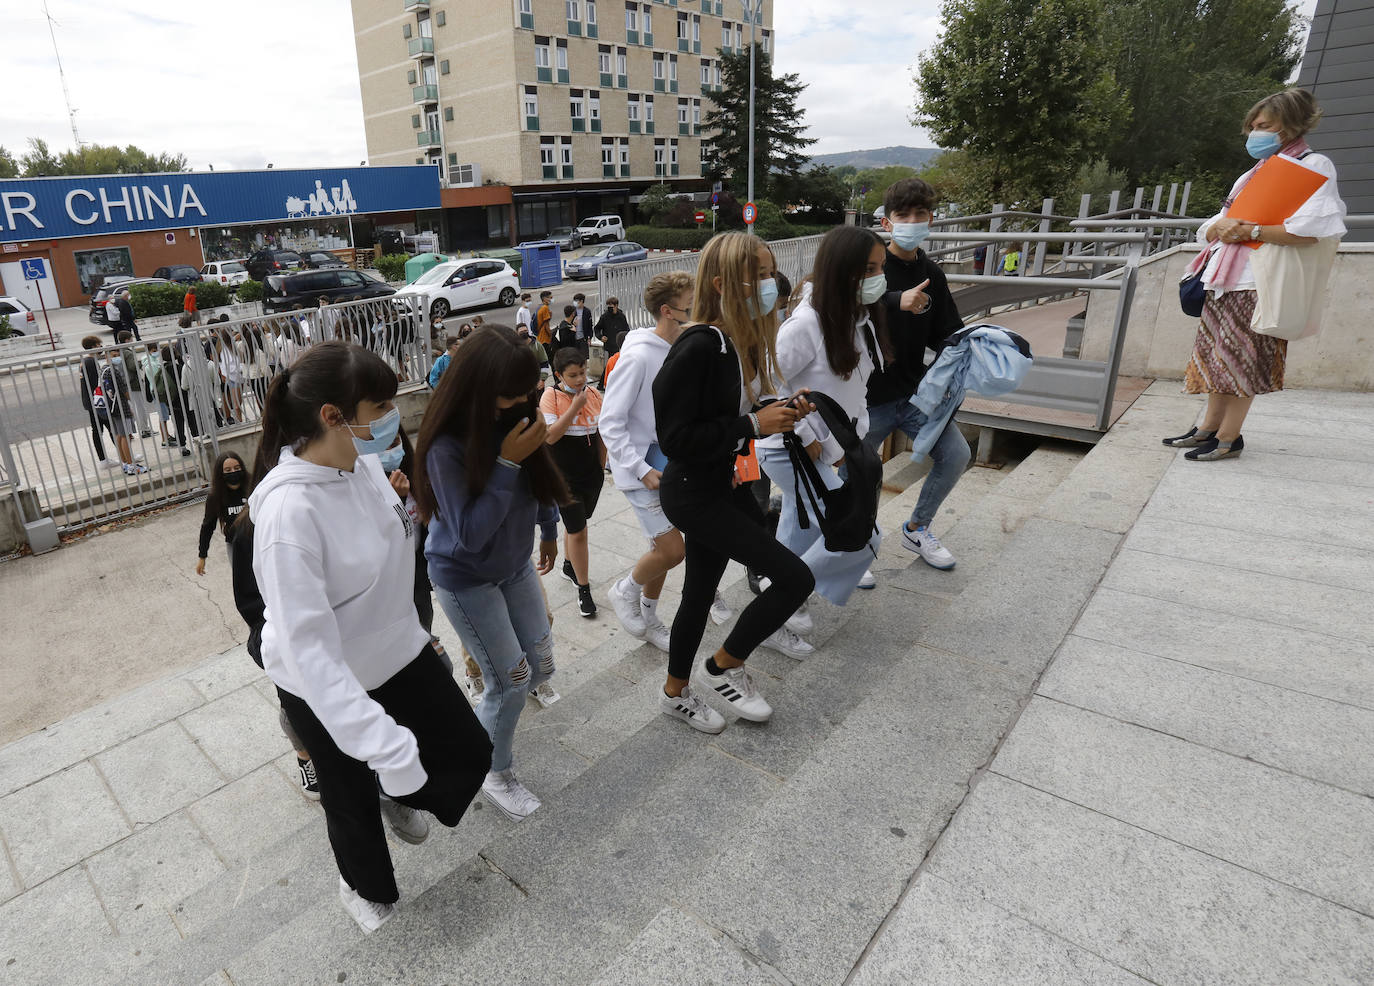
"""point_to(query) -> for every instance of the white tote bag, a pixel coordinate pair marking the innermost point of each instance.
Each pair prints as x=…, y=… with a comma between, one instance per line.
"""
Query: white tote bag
x=1290, y=284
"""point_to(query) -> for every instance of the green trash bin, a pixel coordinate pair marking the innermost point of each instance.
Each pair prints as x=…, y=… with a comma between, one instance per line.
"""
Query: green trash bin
x=420, y=263
x=513, y=257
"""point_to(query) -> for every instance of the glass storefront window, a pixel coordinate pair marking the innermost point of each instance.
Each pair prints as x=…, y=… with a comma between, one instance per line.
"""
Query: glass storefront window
x=93, y=266
x=237, y=242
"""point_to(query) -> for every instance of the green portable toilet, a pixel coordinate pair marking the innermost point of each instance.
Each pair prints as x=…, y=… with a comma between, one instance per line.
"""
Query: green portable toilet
x=420, y=263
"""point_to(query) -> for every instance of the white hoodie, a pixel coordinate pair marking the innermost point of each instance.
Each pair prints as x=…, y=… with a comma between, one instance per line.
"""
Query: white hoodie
x=802, y=362
x=334, y=556
x=627, y=411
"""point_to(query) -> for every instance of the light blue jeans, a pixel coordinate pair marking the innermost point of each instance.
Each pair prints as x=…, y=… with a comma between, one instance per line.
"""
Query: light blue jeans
x=949, y=456
x=837, y=573
x=506, y=629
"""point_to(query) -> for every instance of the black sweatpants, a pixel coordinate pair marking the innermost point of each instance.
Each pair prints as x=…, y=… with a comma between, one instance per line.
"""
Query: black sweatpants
x=454, y=750
x=719, y=523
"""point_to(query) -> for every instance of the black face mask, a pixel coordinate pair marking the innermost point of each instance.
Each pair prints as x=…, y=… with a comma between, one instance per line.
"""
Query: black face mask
x=508, y=418
x=233, y=480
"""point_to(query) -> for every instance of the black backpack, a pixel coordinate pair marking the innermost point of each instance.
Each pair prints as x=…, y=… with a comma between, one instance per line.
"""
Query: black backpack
x=850, y=513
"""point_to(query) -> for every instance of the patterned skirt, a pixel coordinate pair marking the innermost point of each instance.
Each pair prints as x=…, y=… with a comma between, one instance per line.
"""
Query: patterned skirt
x=1227, y=357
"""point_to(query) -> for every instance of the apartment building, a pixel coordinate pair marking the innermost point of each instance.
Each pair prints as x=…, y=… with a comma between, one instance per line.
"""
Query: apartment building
x=575, y=106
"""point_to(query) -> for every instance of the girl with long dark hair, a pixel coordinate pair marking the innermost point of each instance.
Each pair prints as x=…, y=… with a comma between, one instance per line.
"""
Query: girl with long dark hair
x=334, y=557
x=707, y=408
x=483, y=480
x=829, y=344
x=230, y=481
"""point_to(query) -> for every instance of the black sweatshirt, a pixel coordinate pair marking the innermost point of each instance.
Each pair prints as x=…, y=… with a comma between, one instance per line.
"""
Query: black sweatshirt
x=912, y=334
x=608, y=329
x=247, y=597
x=230, y=508
x=697, y=400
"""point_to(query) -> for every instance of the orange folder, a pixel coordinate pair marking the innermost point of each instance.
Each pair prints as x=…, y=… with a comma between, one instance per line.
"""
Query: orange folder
x=1276, y=191
x=747, y=466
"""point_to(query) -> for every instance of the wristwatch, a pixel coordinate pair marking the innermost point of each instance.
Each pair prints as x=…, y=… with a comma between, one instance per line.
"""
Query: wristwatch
x=1255, y=231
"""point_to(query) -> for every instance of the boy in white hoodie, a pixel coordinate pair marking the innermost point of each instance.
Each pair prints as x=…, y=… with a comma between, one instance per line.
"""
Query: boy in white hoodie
x=334, y=557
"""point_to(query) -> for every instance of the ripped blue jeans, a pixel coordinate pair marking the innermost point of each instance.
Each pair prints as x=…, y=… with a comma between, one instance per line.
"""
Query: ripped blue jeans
x=506, y=629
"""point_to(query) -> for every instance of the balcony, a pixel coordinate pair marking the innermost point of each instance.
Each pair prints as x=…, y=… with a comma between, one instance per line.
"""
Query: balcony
x=414, y=5
x=427, y=138
x=424, y=94
x=421, y=47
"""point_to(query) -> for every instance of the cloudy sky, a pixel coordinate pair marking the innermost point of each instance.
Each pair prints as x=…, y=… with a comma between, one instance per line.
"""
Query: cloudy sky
x=240, y=85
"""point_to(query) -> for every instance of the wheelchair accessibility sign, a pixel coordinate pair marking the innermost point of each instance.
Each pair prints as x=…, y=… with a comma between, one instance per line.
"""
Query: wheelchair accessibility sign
x=33, y=269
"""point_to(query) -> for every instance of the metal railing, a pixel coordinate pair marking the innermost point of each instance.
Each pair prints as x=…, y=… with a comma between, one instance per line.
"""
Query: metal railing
x=81, y=467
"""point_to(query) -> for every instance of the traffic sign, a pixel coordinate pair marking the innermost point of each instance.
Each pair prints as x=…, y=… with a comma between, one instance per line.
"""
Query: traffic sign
x=715, y=197
x=33, y=269
x=750, y=212
x=699, y=216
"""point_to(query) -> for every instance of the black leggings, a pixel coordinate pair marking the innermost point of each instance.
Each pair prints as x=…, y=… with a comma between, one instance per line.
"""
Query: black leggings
x=454, y=750
x=720, y=523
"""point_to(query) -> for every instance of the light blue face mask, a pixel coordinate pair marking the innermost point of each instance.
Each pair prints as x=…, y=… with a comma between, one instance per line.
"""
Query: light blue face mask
x=871, y=289
x=384, y=431
x=391, y=458
x=767, y=298
x=1262, y=143
x=908, y=236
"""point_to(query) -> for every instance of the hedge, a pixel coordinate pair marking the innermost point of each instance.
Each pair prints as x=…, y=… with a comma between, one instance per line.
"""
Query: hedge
x=657, y=238
x=249, y=290
x=168, y=299
x=392, y=266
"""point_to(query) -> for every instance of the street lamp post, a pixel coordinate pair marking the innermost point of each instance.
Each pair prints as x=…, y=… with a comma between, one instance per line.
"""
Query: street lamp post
x=750, y=12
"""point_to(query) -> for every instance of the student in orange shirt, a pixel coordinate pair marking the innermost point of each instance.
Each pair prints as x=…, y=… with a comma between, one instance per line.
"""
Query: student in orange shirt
x=543, y=318
x=188, y=305
x=571, y=410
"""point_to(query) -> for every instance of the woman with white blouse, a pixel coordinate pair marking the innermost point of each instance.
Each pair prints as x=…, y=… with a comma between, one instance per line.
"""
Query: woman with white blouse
x=1231, y=363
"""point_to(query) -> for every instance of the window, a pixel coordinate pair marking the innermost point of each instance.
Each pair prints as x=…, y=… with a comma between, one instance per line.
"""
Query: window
x=608, y=151
x=452, y=160
x=443, y=67
x=566, y=149
x=696, y=33
x=624, y=157
x=530, y=103
x=405, y=30
x=561, y=60
x=631, y=17
x=415, y=121
x=426, y=29
x=739, y=35
x=658, y=67
x=603, y=60
x=576, y=104
x=541, y=53
x=705, y=73
x=672, y=155
x=648, y=24
x=526, y=14
x=591, y=17
x=696, y=116
x=767, y=37
x=429, y=75
x=574, y=11
x=621, y=60
x=594, y=105
x=659, y=154
x=672, y=72
x=682, y=27
x=448, y=114
x=546, y=151
x=725, y=35
x=682, y=111
x=440, y=19
x=410, y=77
x=462, y=174
x=632, y=108
x=648, y=109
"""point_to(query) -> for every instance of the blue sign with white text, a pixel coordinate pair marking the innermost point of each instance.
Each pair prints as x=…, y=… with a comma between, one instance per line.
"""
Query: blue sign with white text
x=52, y=208
x=33, y=270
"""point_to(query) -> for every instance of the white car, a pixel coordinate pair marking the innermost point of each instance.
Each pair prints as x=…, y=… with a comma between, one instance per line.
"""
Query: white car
x=594, y=229
x=228, y=272
x=22, y=320
x=459, y=284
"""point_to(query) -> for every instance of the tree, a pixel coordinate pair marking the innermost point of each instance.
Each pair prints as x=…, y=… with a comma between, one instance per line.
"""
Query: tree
x=93, y=159
x=1025, y=87
x=9, y=167
x=871, y=184
x=779, y=133
x=656, y=201
x=818, y=190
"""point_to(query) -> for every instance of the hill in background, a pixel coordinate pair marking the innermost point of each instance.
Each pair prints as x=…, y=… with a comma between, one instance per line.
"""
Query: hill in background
x=881, y=157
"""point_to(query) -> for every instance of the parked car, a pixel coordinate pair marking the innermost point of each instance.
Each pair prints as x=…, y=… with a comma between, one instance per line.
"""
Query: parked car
x=108, y=287
x=22, y=320
x=321, y=260
x=260, y=263
x=594, y=229
x=282, y=292
x=585, y=266
x=229, y=272
x=460, y=284
x=566, y=237
x=178, y=273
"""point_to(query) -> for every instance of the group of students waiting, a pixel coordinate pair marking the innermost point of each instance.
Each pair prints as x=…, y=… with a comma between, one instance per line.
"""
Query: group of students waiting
x=342, y=526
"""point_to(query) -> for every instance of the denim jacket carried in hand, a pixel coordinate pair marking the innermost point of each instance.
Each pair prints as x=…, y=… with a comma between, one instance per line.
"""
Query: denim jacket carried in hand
x=986, y=359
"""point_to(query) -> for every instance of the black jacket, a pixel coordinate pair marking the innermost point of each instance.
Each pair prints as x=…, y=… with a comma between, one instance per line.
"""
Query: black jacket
x=247, y=597
x=912, y=334
x=608, y=329
x=565, y=334
x=222, y=517
x=583, y=320
x=126, y=313
x=697, y=400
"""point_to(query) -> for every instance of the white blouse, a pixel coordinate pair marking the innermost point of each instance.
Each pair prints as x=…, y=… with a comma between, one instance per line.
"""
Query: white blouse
x=1321, y=216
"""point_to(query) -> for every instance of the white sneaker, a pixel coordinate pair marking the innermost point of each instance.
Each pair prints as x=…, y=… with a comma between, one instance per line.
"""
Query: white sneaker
x=545, y=694
x=658, y=634
x=868, y=581
x=735, y=686
x=764, y=583
x=928, y=546
x=135, y=469
x=800, y=621
x=721, y=613
x=512, y=798
x=787, y=642
x=369, y=914
x=110, y=464
x=692, y=711
x=627, y=609
x=474, y=686
x=408, y=824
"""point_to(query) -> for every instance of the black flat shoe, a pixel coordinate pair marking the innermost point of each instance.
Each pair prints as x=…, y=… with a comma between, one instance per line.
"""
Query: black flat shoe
x=1191, y=439
x=1212, y=450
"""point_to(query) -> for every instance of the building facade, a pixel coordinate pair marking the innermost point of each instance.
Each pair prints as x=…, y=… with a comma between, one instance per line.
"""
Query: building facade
x=1338, y=68
x=576, y=105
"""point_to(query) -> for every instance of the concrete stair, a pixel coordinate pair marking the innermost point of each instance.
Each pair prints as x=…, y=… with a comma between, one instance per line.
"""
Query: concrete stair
x=767, y=854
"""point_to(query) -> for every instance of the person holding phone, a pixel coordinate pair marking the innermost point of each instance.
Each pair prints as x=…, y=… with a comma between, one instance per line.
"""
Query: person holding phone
x=707, y=407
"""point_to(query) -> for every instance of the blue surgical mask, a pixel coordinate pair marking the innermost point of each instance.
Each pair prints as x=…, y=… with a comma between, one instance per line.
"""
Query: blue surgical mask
x=384, y=431
x=871, y=289
x=767, y=298
x=1262, y=143
x=391, y=458
x=908, y=236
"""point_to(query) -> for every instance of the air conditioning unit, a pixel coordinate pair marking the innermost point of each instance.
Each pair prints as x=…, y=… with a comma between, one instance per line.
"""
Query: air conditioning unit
x=464, y=175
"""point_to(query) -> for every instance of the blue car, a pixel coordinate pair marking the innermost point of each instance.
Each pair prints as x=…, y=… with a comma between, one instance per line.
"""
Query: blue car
x=585, y=266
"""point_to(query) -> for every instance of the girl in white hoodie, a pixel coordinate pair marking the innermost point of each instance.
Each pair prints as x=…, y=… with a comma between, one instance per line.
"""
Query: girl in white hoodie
x=829, y=344
x=334, y=556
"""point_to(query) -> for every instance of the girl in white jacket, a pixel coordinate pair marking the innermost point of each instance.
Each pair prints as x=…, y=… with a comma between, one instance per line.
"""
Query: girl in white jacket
x=334, y=557
x=830, y=344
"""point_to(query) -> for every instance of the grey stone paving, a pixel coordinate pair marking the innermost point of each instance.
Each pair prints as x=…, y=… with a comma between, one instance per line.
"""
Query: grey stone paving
x=1127, y=740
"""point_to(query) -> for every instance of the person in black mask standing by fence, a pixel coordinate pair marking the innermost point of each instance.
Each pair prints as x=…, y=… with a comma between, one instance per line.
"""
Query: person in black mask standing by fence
x=229, y=482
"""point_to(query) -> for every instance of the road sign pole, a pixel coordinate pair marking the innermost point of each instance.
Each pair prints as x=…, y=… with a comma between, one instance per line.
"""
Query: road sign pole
x=38, y=286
